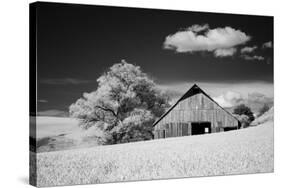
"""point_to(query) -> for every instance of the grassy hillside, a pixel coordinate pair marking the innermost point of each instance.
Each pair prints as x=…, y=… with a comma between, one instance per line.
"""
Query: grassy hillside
x=235, y=152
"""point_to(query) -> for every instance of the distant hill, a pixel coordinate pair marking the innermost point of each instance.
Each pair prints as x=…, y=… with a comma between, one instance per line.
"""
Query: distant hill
x=266, y=117
x=60, y=133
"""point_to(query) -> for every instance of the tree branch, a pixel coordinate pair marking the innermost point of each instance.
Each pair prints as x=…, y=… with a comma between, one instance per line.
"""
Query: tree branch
x=98, y=117
x=107, y=110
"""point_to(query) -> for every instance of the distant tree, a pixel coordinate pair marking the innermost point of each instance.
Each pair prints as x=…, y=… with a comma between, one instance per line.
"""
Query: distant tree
x=242, y=109
x=244, y=120
x=124, y=106
x=263, y=109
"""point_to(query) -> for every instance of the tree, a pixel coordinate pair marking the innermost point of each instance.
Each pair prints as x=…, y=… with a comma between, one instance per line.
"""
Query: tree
x=263, y=109
x=242, y=109
x=124, y=106
x=244, y=120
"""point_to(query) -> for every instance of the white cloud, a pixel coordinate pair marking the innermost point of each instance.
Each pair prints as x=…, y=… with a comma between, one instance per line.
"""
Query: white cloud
x=267, y=44
x=229, y=99
x=255, y=57
x=248, y=49
x=190, y=40
x=197, y=28
x=225, y=52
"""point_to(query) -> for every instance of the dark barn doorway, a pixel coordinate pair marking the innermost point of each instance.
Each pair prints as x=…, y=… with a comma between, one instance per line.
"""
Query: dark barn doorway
x=230, y=128
x=200, y=128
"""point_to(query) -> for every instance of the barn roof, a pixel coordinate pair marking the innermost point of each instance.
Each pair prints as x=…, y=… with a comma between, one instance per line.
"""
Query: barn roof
x=195, y=89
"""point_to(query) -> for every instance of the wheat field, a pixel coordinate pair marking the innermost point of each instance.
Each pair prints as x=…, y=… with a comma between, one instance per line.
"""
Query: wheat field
x=235, y=152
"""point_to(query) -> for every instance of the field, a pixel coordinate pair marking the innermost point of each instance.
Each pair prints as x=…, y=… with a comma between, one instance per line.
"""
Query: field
x=235, y=152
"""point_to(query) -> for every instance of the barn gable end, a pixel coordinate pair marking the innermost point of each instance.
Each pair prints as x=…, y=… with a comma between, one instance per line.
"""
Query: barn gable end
x=194, y=113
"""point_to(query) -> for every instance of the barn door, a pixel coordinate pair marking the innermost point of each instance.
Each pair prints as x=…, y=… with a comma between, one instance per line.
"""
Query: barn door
x=185, y=129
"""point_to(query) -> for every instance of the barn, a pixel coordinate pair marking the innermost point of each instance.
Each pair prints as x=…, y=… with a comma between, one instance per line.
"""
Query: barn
x=194, y=113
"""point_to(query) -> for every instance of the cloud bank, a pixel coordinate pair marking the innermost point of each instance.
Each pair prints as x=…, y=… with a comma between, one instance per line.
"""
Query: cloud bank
x=229, y=99
x=221, y=41
x=226, y=94
x=225, y=52
x=251, y=58
x=254, y=100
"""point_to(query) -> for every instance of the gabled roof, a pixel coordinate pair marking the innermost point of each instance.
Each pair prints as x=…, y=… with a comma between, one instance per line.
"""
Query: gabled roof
x=195, y=89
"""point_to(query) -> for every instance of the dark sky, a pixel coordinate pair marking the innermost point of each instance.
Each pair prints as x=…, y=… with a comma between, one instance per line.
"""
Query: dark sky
x=77, y=43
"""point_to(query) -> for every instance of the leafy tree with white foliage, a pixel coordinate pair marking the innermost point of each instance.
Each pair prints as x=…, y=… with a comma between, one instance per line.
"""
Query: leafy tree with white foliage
x=124, y=106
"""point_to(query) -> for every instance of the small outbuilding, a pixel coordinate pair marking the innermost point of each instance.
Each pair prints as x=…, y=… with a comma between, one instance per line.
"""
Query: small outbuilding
x=194, y=113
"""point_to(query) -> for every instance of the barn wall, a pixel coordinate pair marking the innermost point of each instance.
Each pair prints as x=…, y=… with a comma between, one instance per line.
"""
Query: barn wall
x=194, y=109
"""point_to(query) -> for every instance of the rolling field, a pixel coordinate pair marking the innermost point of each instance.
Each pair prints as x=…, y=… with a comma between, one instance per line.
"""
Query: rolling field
x=235, y=152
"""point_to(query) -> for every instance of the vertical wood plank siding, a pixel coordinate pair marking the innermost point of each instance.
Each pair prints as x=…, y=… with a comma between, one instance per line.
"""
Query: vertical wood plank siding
x=197, y=108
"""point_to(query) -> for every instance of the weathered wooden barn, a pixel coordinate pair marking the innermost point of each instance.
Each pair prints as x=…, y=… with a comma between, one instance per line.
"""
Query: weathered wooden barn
x=194, y=113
